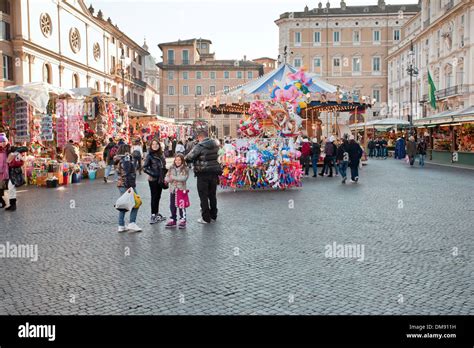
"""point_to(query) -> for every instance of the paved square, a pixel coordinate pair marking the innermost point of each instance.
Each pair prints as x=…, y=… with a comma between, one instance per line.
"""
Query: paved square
x=261, y=257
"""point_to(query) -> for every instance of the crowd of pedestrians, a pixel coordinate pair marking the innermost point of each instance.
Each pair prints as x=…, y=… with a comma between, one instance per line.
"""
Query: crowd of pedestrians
x=337, y=155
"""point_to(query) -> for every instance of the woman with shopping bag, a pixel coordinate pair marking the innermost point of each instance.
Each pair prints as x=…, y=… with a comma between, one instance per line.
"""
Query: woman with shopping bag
x=127, y=187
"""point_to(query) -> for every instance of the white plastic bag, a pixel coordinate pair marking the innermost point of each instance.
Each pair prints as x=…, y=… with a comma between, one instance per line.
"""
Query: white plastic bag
x=126, y=201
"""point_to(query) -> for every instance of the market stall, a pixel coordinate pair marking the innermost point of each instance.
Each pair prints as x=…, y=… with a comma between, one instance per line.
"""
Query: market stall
x=149, y=127
x=46, y=118
x=450, y=136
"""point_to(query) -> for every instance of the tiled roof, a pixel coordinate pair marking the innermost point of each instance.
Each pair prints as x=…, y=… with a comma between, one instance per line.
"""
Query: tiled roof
x=353, y=10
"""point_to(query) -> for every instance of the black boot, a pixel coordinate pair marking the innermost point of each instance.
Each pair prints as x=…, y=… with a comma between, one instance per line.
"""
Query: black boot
x=12, y=206
x=2, y=203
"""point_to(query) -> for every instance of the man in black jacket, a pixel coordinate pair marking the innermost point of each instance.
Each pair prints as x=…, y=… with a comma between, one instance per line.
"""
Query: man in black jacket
x=207, y=170
x=354, y=151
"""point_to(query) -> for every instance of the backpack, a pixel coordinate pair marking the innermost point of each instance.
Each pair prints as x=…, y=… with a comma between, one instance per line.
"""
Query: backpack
x=113, y=151
x=129, y=171
x=137, y=154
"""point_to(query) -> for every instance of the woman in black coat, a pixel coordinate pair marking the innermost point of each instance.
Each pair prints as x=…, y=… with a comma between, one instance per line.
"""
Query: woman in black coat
x=155, y=167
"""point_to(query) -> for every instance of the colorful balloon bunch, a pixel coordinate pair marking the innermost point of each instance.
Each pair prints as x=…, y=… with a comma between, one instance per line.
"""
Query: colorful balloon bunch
x=295, y=91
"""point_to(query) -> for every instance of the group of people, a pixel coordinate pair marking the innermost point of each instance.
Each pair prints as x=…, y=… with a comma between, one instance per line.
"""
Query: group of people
x=338, y=153
x=414, y=149
x=203, y=157
x=378, y=148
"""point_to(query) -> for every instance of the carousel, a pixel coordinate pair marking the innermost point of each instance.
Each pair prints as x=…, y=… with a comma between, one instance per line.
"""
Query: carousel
x=277, y=110
x=297, y=102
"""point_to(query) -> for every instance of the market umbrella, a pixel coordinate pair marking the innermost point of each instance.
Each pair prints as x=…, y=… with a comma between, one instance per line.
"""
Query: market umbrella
x=37, y=94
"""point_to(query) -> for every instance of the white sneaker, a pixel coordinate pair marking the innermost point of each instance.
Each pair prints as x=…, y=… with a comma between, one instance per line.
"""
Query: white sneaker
x=133, y=227
x=122, y=229
x=201, y=221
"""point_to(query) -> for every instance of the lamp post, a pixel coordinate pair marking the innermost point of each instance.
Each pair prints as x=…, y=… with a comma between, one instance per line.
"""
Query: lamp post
x=195, y=107
x=412, y=70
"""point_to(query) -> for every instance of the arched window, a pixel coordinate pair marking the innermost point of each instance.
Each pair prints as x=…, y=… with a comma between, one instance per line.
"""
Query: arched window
x=47, y=74
x=75, y=81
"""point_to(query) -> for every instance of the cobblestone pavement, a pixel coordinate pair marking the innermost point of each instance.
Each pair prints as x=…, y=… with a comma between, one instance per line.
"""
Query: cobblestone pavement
x=261, y=257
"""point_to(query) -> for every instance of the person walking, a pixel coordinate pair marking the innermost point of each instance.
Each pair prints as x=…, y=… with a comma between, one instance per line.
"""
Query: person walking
x=176, y=178
x=384, y=148
x=305, y=155
x=342, y=159
x=109, y=153
x=137, y=154
x=189, y=146
x=411, y=149
x=180, y=148
x=371, y=146
x=315, y=153
x=354, y=152
x=330, y=151
x=378, y=146
x=70, y=152
x=207, y=170
x=155, y=167
x=422, y=148
x=126, y=180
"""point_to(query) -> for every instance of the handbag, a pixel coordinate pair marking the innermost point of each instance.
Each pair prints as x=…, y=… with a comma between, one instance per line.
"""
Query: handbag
x=138, y=200
x=16, y=177
x=126, y=202
x=182, y=199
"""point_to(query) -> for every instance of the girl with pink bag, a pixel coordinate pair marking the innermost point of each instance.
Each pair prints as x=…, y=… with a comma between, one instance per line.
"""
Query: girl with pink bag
x=179, y=200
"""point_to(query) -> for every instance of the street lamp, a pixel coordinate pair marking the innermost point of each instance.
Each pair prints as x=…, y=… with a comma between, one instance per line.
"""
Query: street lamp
x=195, y=107
x=412, y=70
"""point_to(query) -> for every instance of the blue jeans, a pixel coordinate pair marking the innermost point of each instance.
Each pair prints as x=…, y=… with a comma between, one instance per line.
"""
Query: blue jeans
x=422, y=160
x=108, y=169
x=354, y=170
x=314, y=161
x=343, y=168
x=133, y=213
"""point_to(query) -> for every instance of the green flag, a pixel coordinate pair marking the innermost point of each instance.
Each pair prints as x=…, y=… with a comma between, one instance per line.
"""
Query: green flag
x=432, y=90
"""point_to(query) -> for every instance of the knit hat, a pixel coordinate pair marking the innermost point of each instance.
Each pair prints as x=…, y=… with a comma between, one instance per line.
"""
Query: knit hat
x=3, y=138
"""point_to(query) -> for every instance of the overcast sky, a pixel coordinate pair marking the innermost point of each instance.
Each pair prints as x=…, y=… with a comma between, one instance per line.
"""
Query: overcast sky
x=235, y=27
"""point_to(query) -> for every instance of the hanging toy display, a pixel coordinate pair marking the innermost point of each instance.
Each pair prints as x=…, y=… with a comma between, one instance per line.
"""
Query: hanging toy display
x=261, y=164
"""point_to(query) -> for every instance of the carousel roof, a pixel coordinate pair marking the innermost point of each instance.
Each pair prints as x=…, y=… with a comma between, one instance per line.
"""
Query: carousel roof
x=265, y=84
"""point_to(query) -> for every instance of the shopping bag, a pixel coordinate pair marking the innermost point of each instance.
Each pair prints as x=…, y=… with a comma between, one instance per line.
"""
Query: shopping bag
x=182, y=199
x=138, y=200
x=126, y=201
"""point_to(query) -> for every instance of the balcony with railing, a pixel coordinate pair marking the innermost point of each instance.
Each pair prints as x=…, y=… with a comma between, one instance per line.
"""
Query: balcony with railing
x=138, y=108
x=139, y=82
x=451, y=91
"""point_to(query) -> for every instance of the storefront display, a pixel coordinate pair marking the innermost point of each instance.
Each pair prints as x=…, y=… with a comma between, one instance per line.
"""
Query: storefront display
x=465, y=137
x=442, y=139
